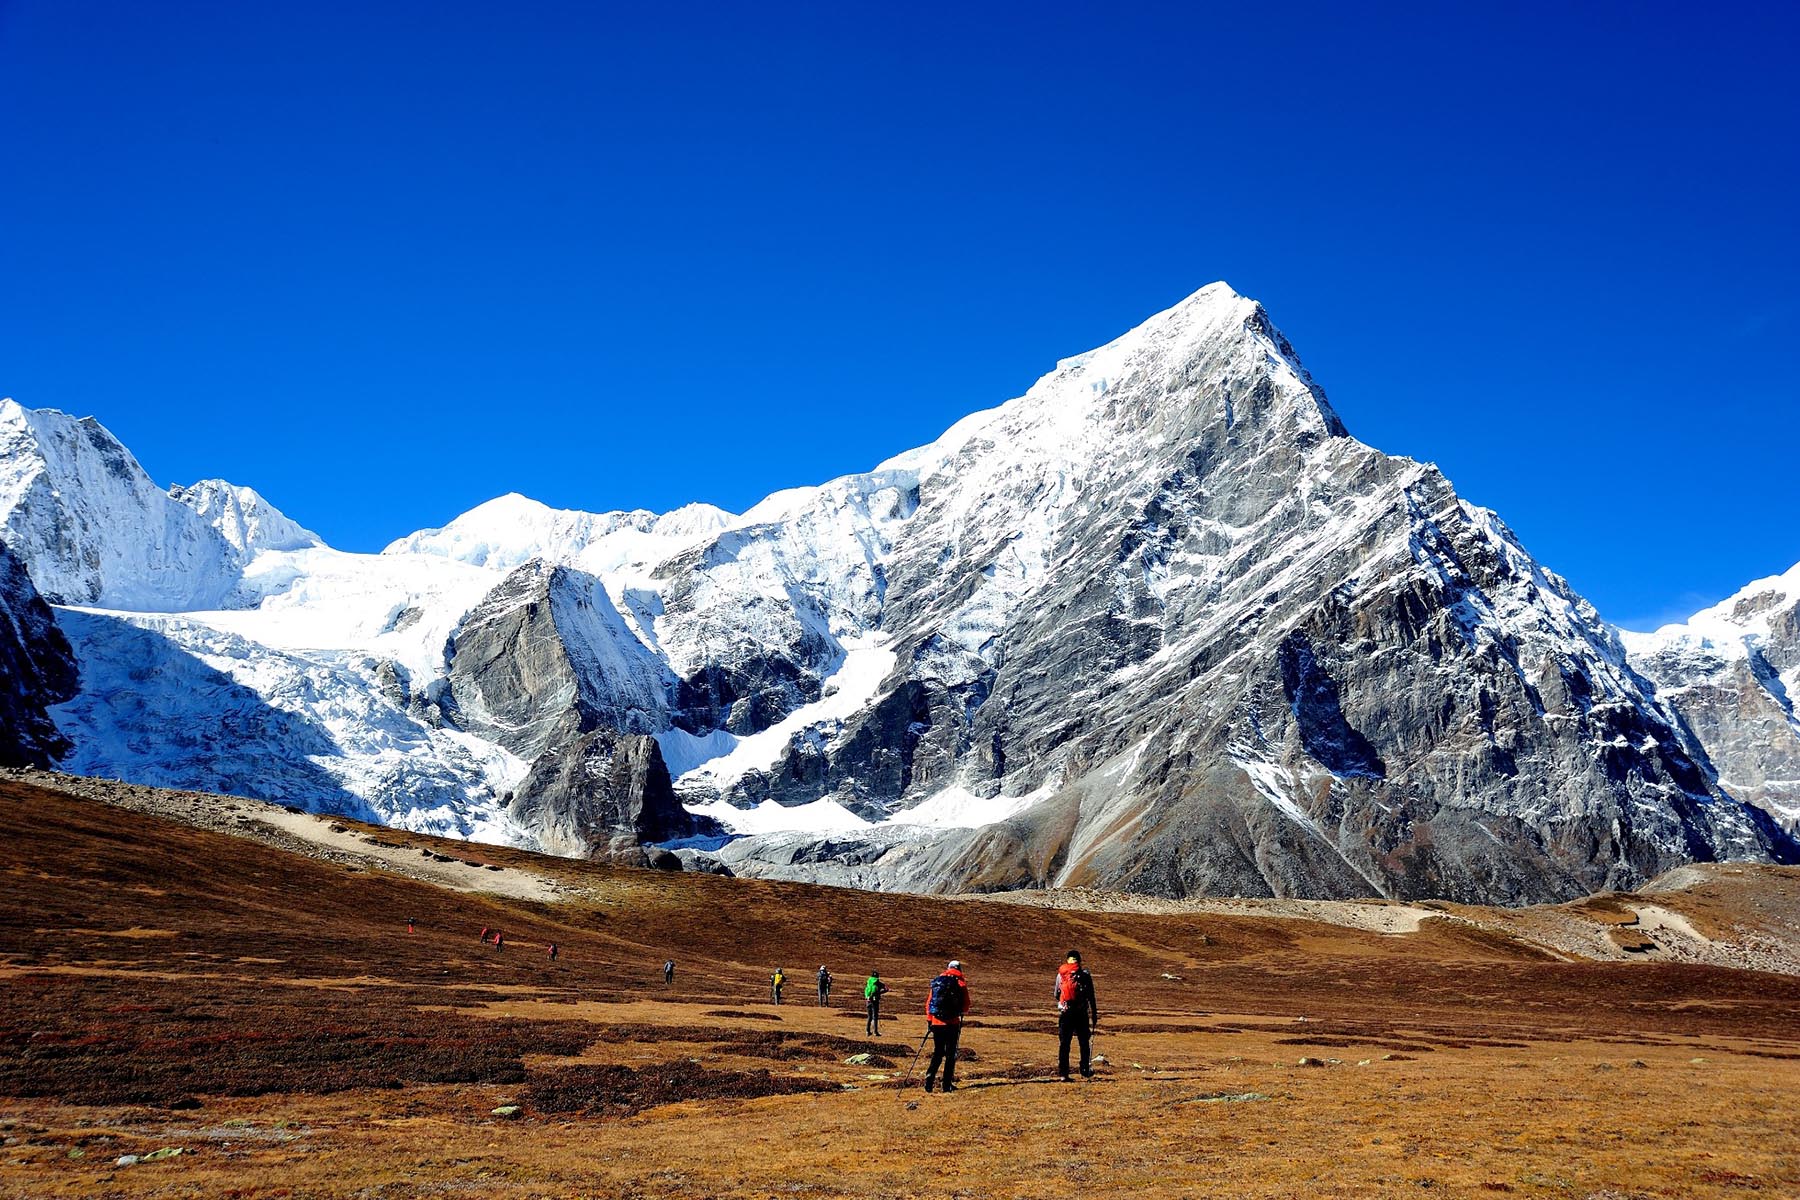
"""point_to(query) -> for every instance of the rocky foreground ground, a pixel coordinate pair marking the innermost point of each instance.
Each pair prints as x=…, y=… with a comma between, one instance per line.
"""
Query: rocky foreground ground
x=241, y=1009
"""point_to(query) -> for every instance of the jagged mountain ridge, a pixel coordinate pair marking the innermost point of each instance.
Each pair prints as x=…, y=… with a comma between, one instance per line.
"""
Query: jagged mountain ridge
x=1161, y=612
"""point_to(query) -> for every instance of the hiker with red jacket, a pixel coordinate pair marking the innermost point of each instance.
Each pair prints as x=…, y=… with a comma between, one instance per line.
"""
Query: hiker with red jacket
x=1077, y=1012
x=945, y=1006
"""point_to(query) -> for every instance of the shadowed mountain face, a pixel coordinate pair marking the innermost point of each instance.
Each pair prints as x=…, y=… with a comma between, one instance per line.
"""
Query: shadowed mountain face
x=1159, y=624
x=37, y=670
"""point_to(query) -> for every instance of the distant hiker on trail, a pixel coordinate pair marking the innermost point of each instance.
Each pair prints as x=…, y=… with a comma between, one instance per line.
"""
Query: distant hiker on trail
x=484, y=934
x=776, y=982
x=409, y=925
x=552, y=951
x=824, y=986
x=945, y=1006
x=499, y=939
x=872, y=992
x=1077, y=1012
x=668, y=971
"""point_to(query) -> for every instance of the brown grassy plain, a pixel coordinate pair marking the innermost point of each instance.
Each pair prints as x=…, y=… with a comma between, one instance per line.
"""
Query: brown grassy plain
x=163, y=986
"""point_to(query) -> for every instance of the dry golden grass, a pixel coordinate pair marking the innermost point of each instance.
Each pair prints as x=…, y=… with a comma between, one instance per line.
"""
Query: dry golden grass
x=162, y=986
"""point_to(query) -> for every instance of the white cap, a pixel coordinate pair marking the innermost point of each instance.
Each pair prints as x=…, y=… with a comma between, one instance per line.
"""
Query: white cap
x=955, y=965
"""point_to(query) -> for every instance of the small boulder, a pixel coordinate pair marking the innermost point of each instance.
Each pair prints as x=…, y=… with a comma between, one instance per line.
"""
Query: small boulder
x=507, y=1110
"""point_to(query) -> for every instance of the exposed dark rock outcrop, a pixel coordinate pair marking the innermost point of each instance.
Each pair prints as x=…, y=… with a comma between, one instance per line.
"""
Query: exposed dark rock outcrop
x=37, y=670
x=593, y=788
x=546, y=667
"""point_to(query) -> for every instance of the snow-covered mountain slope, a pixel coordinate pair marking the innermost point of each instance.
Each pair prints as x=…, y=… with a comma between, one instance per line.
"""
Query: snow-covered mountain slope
x=511, y=530
x=1158, y=623
x=174, y=701
x=248, y=523
x=93, y=528
x=1731, y=674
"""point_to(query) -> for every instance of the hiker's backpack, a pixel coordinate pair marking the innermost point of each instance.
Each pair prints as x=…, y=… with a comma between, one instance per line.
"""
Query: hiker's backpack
x=946, y=998
x=1075, y=987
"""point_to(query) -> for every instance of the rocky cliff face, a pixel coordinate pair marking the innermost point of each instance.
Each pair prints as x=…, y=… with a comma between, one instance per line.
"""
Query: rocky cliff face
x=601, y=793
x=1236, y=651
x=1159, y=624
x=37, y=670
x=546, y=667
x=1730, y=675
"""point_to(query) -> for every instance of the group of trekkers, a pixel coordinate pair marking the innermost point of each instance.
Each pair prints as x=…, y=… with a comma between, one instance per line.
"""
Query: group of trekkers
x=947, y=1003
x=778, y=980
x=495, y=938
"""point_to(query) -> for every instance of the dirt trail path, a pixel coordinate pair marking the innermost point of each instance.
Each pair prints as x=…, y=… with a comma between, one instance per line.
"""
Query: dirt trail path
x=458, y=874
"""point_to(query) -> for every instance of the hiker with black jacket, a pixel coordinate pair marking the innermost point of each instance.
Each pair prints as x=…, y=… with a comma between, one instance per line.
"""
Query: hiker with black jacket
x=1077, y=1013
x=824, y=986
x=945, y=1006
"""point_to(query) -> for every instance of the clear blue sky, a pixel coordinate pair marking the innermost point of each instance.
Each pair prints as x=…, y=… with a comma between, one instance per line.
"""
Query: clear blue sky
x=384, y=261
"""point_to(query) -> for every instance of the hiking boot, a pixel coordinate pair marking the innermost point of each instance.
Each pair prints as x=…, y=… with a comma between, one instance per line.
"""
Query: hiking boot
x=928, y=1082
x=949, y=1087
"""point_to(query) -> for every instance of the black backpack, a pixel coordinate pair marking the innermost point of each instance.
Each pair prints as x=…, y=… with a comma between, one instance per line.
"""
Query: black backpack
x=946, y=998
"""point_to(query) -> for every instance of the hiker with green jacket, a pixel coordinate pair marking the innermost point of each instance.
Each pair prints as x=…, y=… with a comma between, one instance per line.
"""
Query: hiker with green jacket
x=872, y=991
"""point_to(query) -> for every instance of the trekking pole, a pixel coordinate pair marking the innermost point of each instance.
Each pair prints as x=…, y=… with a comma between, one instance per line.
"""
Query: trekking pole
x=912, y=1066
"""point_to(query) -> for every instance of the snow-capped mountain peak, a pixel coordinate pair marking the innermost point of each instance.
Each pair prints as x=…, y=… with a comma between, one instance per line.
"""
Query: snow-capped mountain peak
x=244, y=518
x=1731, y=674
x=1747, y=612
x=76, y=505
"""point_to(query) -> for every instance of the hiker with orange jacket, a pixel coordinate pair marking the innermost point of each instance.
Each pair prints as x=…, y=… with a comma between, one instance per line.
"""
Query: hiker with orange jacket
x=1077, y=1012
x=945, y=1006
